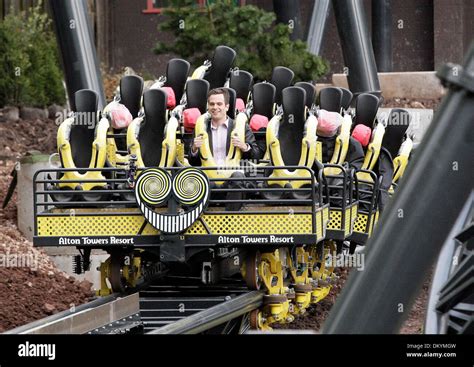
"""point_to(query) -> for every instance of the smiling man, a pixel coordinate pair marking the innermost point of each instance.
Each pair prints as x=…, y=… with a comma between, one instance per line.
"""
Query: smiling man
x=219, y=128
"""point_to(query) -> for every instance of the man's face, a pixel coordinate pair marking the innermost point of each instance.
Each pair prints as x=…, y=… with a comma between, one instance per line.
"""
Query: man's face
x=217, y=107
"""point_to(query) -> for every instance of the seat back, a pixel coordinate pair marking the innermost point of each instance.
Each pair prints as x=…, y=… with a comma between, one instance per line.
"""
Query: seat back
x=281, y=79
x=241, y=81
x=177, y=72
x=83, y=129
x=263, y=97
x=366, y=107
x=131, y=89
x=310, y=90
x=232, y=100
x=222, y=61
x=291, y=131
x=330, y=99
x=346, y=98
x=152, y=128
x=398, y=122
x=196, y=94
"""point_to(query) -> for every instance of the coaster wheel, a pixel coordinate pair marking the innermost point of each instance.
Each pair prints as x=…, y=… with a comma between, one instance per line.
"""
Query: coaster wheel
x=116, y=277
x=252, y=278
x=255, y=319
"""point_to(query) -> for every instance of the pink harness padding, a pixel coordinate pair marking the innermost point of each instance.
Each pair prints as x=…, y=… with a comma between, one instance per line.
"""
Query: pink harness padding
x=171, y=97
x=258, y=122
x=328, y=123
x=362, y=134
x=121, y=116
x=240, y=105
x=190, y=116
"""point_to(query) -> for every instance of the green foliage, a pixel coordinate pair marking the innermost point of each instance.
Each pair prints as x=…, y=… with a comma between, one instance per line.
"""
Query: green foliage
x=250, y=31
x=29, y=73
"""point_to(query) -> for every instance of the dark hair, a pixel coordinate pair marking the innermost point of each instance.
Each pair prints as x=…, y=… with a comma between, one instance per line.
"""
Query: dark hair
x=223, y=91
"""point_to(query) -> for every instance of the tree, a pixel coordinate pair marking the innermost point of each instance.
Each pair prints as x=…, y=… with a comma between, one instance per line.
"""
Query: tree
x=259, y=42
x=30, y=73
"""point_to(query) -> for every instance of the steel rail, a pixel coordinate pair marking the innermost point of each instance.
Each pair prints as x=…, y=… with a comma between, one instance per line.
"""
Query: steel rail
x=84, y=318
x=214, y=316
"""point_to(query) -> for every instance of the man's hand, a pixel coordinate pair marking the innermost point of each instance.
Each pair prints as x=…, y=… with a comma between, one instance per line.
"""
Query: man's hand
x=236, y=142
x=197, y=143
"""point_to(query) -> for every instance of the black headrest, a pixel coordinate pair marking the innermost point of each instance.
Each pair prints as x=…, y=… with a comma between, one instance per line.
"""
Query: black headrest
x=263, y=97
x=294, y=103
x=366, y=108
x=281, y=78
x=154, y=105
x=232, y=98
x=83, y=129
x=291, y=131
x=222, y=61
x=310, y=92
x=177, y=72
x=330, y=99
x=397, y=124
x=196, y=94
x=346, y=98
x=152, y=131
x=131, y=89
x=241, y=81
x=86, y=100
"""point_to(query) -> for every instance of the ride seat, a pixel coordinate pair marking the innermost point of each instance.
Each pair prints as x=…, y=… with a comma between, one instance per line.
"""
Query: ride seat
x=81, y=143
x=196, y=94
x=365, y=114
x=232, y=102
x=291, y=140
x=347, y=97
x=241, y=81
x=263, y=100
x=310, y=90
x=177, y=71
x=222, y=61
x=397, y=143
x=147, y=133
x=281, y=79
x=131, y=89
x=330, y=99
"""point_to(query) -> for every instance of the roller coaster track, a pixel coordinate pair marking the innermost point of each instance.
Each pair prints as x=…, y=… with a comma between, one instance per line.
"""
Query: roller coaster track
x=156, y=309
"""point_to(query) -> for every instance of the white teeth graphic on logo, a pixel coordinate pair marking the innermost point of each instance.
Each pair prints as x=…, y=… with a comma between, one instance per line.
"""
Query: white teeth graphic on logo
x=190, y=187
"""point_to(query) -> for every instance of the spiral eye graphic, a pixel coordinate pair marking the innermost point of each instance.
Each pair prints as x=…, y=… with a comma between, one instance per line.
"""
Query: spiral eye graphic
x=190, y=186
x=154, y=186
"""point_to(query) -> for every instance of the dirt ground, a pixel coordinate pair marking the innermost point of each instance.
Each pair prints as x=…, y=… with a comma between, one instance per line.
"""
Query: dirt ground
x=407, y=103
x=31, y=287
x=28, y=294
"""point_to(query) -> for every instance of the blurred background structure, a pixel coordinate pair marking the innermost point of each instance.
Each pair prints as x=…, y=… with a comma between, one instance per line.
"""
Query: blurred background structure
x=425, y=33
